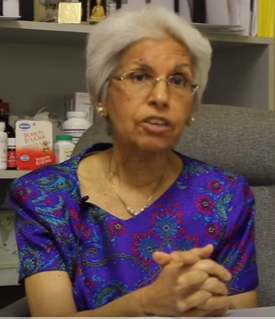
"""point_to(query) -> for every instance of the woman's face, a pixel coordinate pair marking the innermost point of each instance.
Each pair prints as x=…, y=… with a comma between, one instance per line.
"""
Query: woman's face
x=98, y=2
x=151, y=117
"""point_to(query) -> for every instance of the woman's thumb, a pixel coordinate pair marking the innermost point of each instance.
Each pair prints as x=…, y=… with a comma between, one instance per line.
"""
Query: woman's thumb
x=203, y=252
x=161, y=258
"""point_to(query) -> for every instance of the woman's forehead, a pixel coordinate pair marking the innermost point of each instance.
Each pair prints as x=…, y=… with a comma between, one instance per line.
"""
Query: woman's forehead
x=149, y=52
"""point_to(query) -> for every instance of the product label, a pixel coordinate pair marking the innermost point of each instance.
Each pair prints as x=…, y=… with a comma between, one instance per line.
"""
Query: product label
x=12, y=159
x=34, y=144
x=63, y=153
x=75, y=133
x=3, y=152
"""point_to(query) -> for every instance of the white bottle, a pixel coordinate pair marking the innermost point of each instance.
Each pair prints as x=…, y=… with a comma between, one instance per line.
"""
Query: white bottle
x=3, y=146
x=63, y=148
x=76, y=125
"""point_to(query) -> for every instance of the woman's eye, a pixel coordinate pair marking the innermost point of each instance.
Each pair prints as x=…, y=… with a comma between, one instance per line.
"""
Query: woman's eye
x=140, y=76
x=178, y=80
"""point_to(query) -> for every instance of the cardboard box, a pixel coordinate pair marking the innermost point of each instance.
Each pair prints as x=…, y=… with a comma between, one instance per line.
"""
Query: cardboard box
x=34, y=144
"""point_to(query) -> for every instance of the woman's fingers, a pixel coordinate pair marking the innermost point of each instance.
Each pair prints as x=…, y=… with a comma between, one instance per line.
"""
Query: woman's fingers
x=215, y=303
x=161, y=258
x=203, y=252
x=213, y=269
x=194, y=300
x=214, y=285
x=191, y=278
x=186, y=257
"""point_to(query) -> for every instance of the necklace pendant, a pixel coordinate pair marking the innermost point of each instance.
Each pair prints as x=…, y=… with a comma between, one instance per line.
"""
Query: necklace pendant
x=142, y=209
x=132, y=211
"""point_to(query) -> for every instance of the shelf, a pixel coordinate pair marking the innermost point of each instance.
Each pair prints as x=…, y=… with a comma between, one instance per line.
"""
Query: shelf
x=12, y=174
x=76, y=34
x=9, y=277
x=44, y=33
x=8, y=260
x=239, y=39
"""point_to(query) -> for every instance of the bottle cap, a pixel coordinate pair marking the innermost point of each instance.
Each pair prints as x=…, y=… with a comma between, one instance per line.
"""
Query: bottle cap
x=4, y=107
x=64, y=137
x=2, y=126
x=11, y=141
x=81, y=114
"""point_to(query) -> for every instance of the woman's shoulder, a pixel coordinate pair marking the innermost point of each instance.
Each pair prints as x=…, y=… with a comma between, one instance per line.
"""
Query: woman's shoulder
x=47, y=194
x=52, y=182
x=197, y=168
x=50, y=175
x=53, y=176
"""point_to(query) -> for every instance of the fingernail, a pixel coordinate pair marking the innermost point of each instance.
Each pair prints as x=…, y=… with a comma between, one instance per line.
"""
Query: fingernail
x=181, y=306
x=229, y=277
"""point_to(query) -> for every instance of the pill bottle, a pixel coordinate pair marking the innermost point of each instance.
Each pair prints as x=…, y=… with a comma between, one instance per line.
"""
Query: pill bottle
x=11, y=156
x=63, y=148
x=3, y=146
x=76, y=124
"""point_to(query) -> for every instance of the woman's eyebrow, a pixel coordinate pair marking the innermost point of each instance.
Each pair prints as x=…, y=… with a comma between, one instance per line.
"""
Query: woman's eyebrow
x=147, y=66
x=143, y=65
x=183, y=65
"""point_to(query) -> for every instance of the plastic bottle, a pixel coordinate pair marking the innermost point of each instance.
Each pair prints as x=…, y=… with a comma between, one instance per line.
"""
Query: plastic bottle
x=3, y=146
x=11, y=155
x=63, y=148
x=76, y=125
x=4, y=117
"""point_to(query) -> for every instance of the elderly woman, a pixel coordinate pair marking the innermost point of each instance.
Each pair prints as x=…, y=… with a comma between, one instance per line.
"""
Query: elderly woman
x=134, y=228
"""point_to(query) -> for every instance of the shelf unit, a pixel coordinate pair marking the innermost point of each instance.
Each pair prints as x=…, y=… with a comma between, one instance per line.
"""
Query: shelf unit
x=43, y=33
x=52, y=57
x=9, y=277
x=12, y=174
x=42, y=62
x=75, y=34
x=8, y=259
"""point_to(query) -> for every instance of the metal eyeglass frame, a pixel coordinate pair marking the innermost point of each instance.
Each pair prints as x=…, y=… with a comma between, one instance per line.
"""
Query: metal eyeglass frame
x=121, y=77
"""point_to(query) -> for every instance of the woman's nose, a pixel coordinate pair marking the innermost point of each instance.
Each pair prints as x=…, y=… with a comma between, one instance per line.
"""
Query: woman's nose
x=159, y=96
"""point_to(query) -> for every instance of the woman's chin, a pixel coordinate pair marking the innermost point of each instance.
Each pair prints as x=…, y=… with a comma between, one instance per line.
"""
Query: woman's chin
x=155, y=145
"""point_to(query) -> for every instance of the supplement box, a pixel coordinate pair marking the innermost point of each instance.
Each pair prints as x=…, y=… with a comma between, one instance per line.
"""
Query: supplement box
x=34, y=145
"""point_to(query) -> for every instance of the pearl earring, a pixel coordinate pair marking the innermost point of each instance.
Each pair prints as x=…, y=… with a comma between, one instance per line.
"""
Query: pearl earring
x=190, y=121
x=101, y=111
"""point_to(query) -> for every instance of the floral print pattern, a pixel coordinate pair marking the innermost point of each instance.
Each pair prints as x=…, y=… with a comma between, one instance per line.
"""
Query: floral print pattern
x=106, y=257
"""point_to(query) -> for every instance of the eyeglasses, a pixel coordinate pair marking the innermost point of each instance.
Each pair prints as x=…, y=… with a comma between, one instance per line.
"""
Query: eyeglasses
x=144, y=82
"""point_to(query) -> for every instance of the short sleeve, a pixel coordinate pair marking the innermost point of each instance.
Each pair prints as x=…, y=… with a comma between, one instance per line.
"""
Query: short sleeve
x=37, y=248
x=238, y=253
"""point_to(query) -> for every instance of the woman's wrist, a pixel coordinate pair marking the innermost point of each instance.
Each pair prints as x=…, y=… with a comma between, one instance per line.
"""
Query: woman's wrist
x=134, y=304
x=143, y=300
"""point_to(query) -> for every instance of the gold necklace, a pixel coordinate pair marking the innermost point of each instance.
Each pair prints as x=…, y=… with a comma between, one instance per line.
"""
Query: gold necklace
x=130, y=210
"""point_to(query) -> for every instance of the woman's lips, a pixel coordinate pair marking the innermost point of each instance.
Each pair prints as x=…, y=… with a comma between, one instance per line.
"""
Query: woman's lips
x=156, y=125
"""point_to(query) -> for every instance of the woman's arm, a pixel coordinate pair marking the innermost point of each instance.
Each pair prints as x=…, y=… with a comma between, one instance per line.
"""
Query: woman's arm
x=50, y=294
x=173, y=293
x=245, y=300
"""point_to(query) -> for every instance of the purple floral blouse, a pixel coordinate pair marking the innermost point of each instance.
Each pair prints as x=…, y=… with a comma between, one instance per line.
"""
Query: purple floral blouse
x=107, y=257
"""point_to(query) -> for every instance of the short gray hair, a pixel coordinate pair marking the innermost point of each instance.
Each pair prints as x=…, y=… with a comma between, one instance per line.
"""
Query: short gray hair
x=118, y=31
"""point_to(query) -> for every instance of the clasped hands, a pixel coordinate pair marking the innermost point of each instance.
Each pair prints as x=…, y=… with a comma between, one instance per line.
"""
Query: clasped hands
x=190, y=285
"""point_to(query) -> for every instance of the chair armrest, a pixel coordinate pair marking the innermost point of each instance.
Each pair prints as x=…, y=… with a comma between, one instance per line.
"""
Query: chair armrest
x=17, y=309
